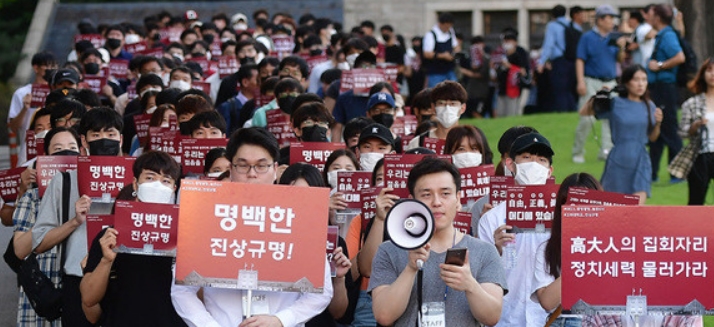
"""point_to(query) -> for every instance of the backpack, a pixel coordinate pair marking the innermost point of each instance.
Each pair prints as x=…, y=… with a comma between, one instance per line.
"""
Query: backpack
x=572, y=37
x=689, y=68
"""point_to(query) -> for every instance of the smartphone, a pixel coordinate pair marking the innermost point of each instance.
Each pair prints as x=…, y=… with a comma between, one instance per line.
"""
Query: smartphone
x=455, y=256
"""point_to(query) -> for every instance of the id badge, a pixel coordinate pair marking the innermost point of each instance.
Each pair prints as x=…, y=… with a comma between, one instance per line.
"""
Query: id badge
x=433, y=314
x=259, y=306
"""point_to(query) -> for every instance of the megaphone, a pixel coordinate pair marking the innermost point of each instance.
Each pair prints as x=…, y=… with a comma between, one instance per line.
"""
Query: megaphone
x=410, y=225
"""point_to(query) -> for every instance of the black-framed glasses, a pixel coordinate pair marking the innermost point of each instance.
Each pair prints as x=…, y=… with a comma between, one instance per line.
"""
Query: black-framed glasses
x=244, y=168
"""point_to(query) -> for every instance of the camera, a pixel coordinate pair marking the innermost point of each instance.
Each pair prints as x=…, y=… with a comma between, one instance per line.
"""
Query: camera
x=602, y=101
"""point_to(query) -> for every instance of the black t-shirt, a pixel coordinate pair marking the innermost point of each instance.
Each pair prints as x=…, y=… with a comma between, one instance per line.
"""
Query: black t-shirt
x=139, y=290
x=394, y=54
x=228, y=89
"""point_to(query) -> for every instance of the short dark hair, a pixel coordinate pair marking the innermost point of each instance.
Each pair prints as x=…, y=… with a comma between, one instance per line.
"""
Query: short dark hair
x=432, y=165
x=446, y=18
x=355, y=126
x=167, y=96
x=182, y=69
x=387, y=27
x=64, y=107
x=302, y=170
x=456, y=134
x=558, y=11
x=448, y=90
x=321, y=23
x=192, y=104
x=368, y=24
x=506, y=140
x=330, y=76
x=39, y=113
x=253, y=136
x=295, y=61
x=44, y=58
x=148, y=79
x=268, y=84
x=88, y=98
x=421, y=100
x=158, y=162
x=227, y=44
x=115, y=28
x=209, y=118
x=306, y=18
x=314, y=110
x=306, y=98
x=56, y=130
x=158, y=116
x=242, y=44
x=245, y=72
x=574, y=10
x=355, y=43
x=176, y=45
x=100, y=118
x=379, y=86
x=288, y=84
x=664, y=12
x=193, y=91
x=211, y=157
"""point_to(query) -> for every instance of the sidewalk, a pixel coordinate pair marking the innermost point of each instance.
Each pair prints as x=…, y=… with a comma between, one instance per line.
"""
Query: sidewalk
x=4, y=157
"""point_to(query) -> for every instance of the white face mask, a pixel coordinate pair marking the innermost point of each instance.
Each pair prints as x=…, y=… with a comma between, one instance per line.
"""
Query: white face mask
x=215, y=174
x=240, y=26
x=447, y=115
x=531, y=173
x=155, y=192
x=178, y=56
x=467, y=159
x=351, y=59
x=181, y=85
x=508, y=46
x=343, y=66
x=42, y=134
x=148, y=90
x=151, y=110
x=132, y=38
x=332, y=177
x=367, y=161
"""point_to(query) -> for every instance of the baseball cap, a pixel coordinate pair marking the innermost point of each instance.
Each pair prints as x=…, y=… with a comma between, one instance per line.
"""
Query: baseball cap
x=190, y=15
x=379, y=98
x=378, y=131
x=605, y=10
x=65, y=74
x=534, y=142
x=237, y=17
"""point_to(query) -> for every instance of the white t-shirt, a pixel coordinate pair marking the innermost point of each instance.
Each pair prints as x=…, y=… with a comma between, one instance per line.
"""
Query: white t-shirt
x=15, y=108
x=646, y=46
x=428, y=42
x=541, y=277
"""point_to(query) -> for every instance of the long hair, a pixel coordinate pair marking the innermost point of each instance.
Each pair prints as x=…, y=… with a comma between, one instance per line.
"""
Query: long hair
x=699, y=84
x=553, y=247
x=627, y=75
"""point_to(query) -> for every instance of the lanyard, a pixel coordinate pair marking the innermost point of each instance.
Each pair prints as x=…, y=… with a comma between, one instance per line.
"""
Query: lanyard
x=420, y=278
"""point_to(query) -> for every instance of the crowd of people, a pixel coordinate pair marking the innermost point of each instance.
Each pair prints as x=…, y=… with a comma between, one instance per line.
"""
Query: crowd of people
x=238, y=79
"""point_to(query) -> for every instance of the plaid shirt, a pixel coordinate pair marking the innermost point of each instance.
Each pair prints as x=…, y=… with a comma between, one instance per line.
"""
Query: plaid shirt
x=23, y=219
x=693, y=109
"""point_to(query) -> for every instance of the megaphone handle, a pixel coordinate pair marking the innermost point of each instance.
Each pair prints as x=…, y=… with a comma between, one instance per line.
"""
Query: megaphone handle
x=420, y=264
x=249, y=304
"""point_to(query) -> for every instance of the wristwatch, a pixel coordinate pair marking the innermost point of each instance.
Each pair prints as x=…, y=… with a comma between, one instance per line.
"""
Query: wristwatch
x=660, y=64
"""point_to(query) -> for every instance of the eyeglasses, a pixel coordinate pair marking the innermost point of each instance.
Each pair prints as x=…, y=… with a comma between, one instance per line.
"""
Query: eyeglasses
x=310, y=123
x=64, y=121
x=294, y=73
x=243, y=168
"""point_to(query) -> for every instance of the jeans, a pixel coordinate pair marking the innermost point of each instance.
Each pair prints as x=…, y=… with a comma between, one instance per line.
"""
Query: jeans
x=664, y=96
x=364, y=317
x=433, y=79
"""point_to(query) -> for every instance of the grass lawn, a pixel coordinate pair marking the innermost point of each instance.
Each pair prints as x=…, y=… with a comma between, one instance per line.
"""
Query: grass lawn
x=560, y=131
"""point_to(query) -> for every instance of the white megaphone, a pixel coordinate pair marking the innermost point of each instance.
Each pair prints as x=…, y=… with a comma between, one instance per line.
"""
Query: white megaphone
x=410, y=225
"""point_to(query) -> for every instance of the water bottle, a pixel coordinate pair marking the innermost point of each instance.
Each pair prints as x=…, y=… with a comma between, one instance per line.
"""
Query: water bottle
x=509, y=256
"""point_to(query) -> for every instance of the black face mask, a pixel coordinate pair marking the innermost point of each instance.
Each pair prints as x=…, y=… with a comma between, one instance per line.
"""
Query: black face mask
x=425, y=117
x=209, y=38
x=314, y=133
x=91, y=68
x=386, y=37
x=315, y=52
x=113, y=44
x=286, y=104
x=184, y=128
x=104, y=147
x=384, y=119
x=66, y=153
x=247, y=60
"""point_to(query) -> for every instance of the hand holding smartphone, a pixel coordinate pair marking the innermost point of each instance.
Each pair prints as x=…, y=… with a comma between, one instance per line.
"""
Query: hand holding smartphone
x=455, y=256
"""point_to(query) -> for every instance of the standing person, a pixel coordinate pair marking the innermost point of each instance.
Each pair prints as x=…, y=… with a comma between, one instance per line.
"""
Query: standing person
x=476, y=71
x=546, y=280
x=115, y=42
x=696, y=160
x=634, y=120
x=439, y=46
x=596, y=68
x=512, y=72
x=644, y=38
x=662, y=77
x=467, y=295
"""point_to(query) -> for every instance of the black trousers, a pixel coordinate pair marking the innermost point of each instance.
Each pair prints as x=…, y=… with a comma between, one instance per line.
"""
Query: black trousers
x=72, y=314
x=664, y=95
x=698, y=179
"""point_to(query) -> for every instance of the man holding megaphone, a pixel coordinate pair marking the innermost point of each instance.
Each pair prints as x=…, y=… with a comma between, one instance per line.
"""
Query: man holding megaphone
x=411, y=283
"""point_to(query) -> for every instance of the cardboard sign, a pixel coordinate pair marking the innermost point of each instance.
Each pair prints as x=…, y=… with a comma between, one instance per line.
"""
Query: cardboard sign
x=96, y=39
x=361, y=80
x=141, y=125
x=434, y=144
x=171, y=34
x=135, y=48
x=154, y=52
x=203, y=62
x=284, y=45
x=396, y=170
x=279, y=124
x=609, y=251
x=95, y=83
x=48, y=166
x=9, y=182
x=146, y=228
x=227, y=66
x=193, y=156
x=499, y=184
x=332, y=244
x=263, y=99
x=224, y=227
x=475, y=182
x=462, y=222
x=39, y=95
x=314, y=153
x=202, y=86
x=167, y=140
x=404, y=125
x=531, y=207
x=587, y=196
x=104, y=176
x=95, y=224
x=313, y=61
x=33, y=146
x=369, y=206
x=350, y=184
x=119, y=68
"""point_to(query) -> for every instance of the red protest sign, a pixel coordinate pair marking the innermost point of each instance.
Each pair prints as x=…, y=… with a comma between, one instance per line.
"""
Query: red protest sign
x=265, y=227
x=38, y=95
x=314, y=153
x=104, y=176
x=279, y=124
x=499, y=184
x=396, y=171
x=284, y=44
x=95, y=224
x=203, y=86
x=48, y=166
x=146, y=228
x=165, y=139
x=227, y=66
x=119, y=68
x=141, y=124
x=475, y=182
x=361, y=80
x=215, y=48
x=171, y=34
x=404, y=125
x=313, y=61
x=96, y=39
x=154, y=52
x=608, y=251
x=369, y=207
x=391, y=71
x=193, y=156
x=263, y=99
x=9, y=181
x=95, y=83
x=588, y=196
x=33, y=146
x=530, y=206
x=462, y=222
x=350, y=184
x=434, y=144
x=136, y=47
x=332, y=244
x=131, y=92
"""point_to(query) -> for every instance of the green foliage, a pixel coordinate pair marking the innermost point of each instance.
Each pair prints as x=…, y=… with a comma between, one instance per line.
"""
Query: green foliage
x=15, y=18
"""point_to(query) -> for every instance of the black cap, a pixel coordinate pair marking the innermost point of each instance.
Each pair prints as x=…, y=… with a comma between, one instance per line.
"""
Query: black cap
x=65, y=74
x=531, y=141
x=376, y=131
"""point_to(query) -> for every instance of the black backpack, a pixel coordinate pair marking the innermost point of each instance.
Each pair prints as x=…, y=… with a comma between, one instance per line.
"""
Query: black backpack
x=688, y=69
x=572, y=37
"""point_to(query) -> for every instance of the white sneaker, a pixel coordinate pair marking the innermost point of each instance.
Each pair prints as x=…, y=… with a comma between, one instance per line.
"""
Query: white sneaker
x=579, y=159
x=603, y=155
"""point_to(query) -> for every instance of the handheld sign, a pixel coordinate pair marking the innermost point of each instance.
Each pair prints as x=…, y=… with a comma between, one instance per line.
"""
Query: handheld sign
x=102, y=177
x=361, y=80
x=279, y=124
x=396, y=170
x=95, y=83
x=313, y=153
x=577, y=195
x=193, y=156
x=475, y=182
x=404, y=125
x=48, y=166
x=434, y=144
x=167, y=140
x=531, y=207
x=499, y=184
x=227, y=66
x=332, y=244
x=96, y=39
x=95, y=224
x=119, y=68
x=9, y=181
x=38, y=95
x=141, y=124
x=146, y=228
x=137, y=47
x=609, y=250
x=369, y=206
x=462, y=222
x=34, y=146
x=224, y=227
x=350, y=184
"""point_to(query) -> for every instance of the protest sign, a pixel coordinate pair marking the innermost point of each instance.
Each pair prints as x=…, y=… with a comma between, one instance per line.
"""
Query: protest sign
x=146, y=228
x=313, y=153
x=48, y=166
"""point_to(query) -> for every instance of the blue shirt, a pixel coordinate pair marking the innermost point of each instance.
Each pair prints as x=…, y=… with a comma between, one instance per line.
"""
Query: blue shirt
x=666, y=46
x=554, y=41
x=599, y=57
x=349, y=106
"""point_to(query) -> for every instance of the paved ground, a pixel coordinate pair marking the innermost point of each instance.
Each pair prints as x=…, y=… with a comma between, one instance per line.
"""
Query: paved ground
x=8, y=283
